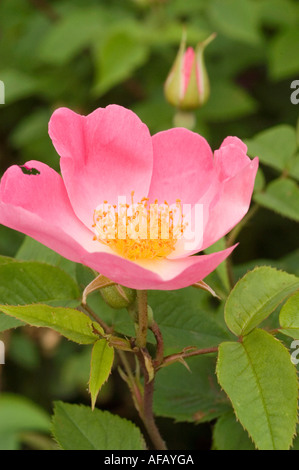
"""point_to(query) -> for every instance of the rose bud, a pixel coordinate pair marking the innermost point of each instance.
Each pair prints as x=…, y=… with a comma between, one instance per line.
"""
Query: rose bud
x=187, y=86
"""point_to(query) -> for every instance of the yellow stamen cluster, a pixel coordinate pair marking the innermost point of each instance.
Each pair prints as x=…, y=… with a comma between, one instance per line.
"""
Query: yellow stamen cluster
x=138, y=231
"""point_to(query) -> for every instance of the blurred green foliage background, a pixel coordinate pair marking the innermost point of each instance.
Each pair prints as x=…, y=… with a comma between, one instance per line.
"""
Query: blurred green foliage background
x=91, y=53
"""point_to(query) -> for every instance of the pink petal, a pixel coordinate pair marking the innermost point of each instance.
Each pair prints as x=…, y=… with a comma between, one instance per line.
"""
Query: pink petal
x=38, y=205
x=228, y=197
x=232, y=140
x=183, y=166
x=230, y=158
x=196, y=227
x=103, y=155
x=232, y=204
x=156, y=274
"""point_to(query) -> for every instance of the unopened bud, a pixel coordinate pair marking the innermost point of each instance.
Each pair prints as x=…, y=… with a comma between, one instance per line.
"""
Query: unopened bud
x=187, y=86
x=118, y=296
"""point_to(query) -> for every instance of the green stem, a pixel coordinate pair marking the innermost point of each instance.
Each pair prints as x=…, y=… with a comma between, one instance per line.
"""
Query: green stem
x=185, y=119
x=142, y=319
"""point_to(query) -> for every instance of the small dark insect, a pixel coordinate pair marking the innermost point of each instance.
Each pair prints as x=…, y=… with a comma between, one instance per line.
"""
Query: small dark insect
x=29, y=171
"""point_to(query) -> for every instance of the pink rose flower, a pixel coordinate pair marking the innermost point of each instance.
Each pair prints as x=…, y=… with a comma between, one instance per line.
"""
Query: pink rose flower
x=108, y=154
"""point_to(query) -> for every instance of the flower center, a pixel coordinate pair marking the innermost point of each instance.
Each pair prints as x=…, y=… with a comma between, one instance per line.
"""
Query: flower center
x=139, y=231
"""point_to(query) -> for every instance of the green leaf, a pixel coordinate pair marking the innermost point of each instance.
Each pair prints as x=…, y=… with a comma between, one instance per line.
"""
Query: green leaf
x=6, y=323
x=155, y=111
x=283, y=57
x=260, y=181
x=9, y=441
x=23, y=351
x=275, y=147
x=255, y=296
x=84, y=276
x=30, y=136
x=179, y=7
x=74, y=372
x=293, y=167
x=6, y=259
x=30, y=129
x=277, y=12
x=32, y=250
x=18, y=85
x=33, y=282
x=158, y=34
x=236, y=19
x=18, y=414
x=101, y=365
x=10, y=240
x=261, y=382
x=228, y=434
x=116, y=58
x=70, y=35
x=70, y=323
x=281, y=196
x=77, y=427
x=296, y=440
x=189, y=396
x=289, y=317
x=227, y=101
x=186, y=318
